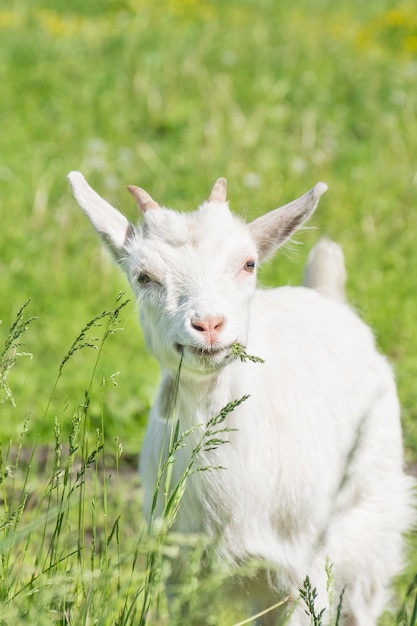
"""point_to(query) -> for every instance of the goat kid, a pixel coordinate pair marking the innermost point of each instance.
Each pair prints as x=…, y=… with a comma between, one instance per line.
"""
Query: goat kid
x=314, y=467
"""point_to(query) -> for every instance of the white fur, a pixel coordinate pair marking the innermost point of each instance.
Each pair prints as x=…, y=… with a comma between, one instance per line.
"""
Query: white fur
x=314, y=467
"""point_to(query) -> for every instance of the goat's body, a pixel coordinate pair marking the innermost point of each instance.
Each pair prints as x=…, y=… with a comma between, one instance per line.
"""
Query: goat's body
x=313, y=467
x=344, y=427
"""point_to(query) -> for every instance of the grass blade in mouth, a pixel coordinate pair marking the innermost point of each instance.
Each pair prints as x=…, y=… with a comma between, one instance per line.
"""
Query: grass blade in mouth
x=239, y=352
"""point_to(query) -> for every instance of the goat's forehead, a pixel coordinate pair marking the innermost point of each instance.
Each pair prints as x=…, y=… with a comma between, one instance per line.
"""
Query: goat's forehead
x=210, y=239
x=211, y=224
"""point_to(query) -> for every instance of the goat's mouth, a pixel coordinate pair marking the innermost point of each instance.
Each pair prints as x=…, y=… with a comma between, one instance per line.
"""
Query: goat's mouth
x=215, y=355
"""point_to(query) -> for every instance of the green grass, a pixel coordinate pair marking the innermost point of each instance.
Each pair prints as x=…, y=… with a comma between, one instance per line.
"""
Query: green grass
x=170, y=96
x=274, y=97
x=74, y=548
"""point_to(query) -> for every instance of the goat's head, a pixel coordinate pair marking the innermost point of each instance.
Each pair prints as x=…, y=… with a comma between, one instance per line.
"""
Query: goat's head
x=193, y=274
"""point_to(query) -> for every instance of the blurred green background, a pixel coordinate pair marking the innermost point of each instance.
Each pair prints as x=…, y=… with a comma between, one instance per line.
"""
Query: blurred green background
x=171, y=95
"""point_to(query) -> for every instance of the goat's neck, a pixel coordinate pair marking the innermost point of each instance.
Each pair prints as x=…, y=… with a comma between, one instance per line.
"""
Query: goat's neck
x=195, y=399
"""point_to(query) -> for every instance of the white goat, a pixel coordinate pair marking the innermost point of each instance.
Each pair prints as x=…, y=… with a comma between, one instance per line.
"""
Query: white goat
x=314, y=467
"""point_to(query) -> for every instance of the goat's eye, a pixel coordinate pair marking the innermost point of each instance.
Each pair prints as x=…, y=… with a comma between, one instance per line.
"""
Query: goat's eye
x=249, y=266
x=143, y=279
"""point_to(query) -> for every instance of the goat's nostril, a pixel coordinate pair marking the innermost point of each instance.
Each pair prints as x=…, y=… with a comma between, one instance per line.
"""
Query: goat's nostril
x=198, y=326
x=218, y=323
x=210, y=325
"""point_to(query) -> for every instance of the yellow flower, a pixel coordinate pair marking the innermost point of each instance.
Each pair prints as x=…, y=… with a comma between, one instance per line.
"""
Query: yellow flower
x=10, y=19
x=410, y=44
x=396, y=17
x=59, y=25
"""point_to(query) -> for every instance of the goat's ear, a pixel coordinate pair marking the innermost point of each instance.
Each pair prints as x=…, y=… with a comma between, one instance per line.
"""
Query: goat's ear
x=113, y=227
x=270, y=231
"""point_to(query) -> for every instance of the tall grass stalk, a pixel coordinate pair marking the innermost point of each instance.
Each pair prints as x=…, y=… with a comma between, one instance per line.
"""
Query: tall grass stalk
x=11, y=352
x=66, y=542
x=212, y=437
x=53, y=551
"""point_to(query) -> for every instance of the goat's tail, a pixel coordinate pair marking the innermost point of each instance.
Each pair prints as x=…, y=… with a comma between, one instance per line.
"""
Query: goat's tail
x=325, y=270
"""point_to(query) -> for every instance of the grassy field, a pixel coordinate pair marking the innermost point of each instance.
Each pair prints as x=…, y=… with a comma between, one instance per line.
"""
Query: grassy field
x=170, y=96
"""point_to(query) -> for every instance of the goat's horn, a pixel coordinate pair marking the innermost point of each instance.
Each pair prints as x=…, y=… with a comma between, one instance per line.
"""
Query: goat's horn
x=218, y=193
x=143, y=199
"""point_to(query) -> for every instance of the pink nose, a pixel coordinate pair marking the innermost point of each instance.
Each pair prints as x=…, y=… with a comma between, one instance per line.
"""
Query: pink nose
x=209, y=327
